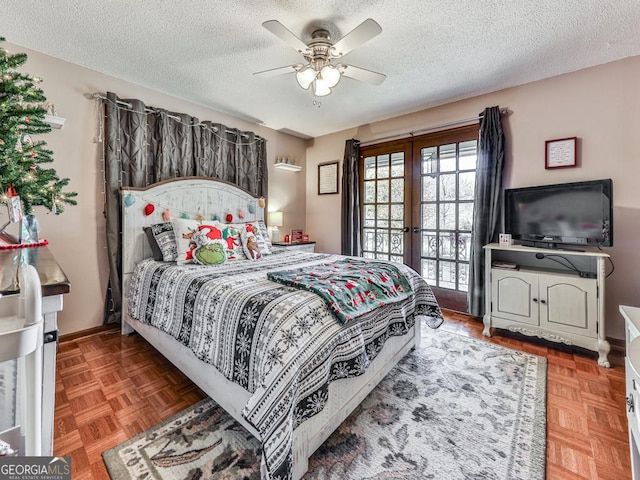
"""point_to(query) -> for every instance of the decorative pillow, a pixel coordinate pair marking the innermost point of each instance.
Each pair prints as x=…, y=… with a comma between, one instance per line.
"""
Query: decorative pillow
x=231, y=235
x=265, y=234
x=250, y=244
x=192, y=235
x=162, y=241
x=262, y=244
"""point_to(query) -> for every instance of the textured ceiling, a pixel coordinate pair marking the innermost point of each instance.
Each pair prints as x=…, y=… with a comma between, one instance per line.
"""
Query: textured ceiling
x=432, y=51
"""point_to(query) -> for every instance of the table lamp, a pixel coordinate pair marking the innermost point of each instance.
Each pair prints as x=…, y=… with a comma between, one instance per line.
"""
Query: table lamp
x=275, y=221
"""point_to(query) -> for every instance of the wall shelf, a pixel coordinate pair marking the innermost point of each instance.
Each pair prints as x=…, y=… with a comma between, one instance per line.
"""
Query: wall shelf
x=55, y=122
x=288, y=166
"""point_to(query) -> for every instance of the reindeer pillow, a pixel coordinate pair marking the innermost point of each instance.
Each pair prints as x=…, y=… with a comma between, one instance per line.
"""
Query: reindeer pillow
x=250, y=245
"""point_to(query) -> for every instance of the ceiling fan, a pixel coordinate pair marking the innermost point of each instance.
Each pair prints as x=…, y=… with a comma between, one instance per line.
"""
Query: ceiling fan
x=319, y=53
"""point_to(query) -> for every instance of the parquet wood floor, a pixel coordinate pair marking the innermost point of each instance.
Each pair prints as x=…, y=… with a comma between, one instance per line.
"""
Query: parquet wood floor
x=110, y=388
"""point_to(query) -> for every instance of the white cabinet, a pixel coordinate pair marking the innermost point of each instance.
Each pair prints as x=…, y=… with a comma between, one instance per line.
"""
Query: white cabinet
x=632, y=375
x=564, y=304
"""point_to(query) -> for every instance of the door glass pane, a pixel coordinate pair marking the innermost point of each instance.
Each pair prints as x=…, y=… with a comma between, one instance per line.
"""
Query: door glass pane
x=464, y=246
x=383, y=166
x=467, y=186
x=448, y=158
x=397, y=190
x=468, y=155
x=397, y=164
x=429, y=244
x=465, y=216
x=429, y=188
x=429, y=216
x=369, y=216
x=397, y=242
x=463, y=277
x=397, y=216
x=369, y=239
x=370, y=168
x=447, y=187
x=369, y=192
x=429, y=270
x=383, y=216
x=429, y=160
x=383, y=191
x=447, y=275
x=448, y=246
x=447, y=220
x=382, y=241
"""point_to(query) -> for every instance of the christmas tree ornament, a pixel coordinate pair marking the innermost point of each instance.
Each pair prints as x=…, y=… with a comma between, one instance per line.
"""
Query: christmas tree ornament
x=251, y=207
x=216, y=218
x=148, y=209
x=199, y=218
x=166, y=215
x=54, y=209
x=27, y=140
x=129, y=200
x=229, y=218
x=1, y=141
x=19, y=146
x=241, y=214
x=184, y=215
x=262, y=202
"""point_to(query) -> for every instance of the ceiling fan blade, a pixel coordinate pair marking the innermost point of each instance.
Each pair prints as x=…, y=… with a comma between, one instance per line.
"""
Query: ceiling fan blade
x=362, y=74
x=284, y=34
x=356, y=37
x=274, y=72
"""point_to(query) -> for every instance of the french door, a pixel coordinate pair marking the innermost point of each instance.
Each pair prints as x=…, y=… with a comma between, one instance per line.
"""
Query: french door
x=418, y=207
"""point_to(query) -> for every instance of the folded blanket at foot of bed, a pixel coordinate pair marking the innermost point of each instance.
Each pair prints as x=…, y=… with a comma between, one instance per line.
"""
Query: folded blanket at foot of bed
x=350, y=287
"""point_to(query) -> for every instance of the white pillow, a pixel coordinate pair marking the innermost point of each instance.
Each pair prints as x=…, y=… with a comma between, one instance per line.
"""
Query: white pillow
x=250, y=245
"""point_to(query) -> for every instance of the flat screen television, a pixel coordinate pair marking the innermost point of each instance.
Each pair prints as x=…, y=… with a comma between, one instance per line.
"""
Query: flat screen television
x=551, y=216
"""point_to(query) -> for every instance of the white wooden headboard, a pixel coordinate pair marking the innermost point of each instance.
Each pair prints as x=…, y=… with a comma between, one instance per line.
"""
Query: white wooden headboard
x=189, y=197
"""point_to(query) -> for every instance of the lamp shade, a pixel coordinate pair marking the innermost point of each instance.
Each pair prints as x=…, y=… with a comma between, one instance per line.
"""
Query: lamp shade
x=305, y=76
x=275, y=219
x=320, y=88
x=331, y=75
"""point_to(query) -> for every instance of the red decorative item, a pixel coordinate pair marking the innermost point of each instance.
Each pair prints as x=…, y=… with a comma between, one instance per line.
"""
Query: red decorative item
x=27, y=119
x=228, y=217
x=286, y=239
x=148, y=209
x=33, y=154
x=41, y=243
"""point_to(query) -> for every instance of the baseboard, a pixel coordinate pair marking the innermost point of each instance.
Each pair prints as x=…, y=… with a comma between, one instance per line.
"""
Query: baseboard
x=89, y=331
x=617, y=346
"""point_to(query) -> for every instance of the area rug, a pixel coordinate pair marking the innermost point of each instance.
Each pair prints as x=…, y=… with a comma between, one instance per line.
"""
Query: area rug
x=456, y=408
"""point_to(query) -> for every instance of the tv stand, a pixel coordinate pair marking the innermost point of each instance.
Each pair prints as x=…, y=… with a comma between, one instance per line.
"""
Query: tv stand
x=542, y=298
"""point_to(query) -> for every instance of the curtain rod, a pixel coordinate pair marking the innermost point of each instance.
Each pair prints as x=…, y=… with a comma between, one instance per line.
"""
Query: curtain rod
x=97, y=96
x=503, y=111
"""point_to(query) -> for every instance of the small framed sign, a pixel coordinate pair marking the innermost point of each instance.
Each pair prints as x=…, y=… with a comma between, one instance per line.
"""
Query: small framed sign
x=560, y=153
x=296, y=235
x=328, y=178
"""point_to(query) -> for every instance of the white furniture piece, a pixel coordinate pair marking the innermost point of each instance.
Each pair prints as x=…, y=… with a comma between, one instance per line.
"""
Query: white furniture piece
x=54, y=284
x=632, y=375
x=209, y=197
x=297, y=246
x=557, y=295
x=21, y=339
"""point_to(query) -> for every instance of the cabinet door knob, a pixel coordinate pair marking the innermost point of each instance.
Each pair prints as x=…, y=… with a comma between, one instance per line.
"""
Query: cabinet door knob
x=535, y=300
x=543, y=301
x=630, y=406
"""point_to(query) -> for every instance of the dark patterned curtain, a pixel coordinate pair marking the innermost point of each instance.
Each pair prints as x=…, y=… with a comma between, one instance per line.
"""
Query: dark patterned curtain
x=487, y=206
x=147, y=145
x=351, y=240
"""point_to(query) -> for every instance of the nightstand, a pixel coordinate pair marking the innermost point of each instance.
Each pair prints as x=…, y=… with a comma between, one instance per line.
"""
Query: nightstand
x=632, y=373
x=299, y=246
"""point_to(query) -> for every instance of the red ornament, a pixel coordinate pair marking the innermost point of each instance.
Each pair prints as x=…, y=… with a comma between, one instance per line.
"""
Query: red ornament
x=27, y=119
x=33, y=154
x=148, y=209
x=33, y=167
x=229, y=217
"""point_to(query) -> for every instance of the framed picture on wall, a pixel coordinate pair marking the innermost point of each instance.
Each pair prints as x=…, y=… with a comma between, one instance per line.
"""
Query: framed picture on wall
x=560, y=153
x=328, y=177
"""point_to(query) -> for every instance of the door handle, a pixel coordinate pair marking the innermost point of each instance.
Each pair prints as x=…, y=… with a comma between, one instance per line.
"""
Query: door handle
x=405, y=230
x=416, y=230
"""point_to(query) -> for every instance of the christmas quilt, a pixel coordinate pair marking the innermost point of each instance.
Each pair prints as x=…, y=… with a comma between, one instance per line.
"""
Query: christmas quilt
x=281, y=344
x=350, y=286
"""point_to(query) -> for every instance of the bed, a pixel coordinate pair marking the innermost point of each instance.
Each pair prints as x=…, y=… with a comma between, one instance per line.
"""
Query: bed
x=272, y=355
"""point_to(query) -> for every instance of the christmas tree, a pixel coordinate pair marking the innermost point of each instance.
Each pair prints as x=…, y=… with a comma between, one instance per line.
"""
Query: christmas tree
x=21, y=155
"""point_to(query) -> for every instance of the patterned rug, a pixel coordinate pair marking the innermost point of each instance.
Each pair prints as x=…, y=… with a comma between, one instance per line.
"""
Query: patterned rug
x=456, y=408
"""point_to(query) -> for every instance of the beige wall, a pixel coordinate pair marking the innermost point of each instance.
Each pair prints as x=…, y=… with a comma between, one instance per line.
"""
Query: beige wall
x=77, y=237
x=598, y=105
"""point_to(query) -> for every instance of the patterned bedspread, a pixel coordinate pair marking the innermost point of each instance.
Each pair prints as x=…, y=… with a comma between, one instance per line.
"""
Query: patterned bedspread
x=282, y=345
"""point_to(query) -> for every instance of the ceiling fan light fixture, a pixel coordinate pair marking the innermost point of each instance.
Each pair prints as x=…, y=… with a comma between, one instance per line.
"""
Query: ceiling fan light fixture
x=331, y=75
x=320, y=88
x=305, y=76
